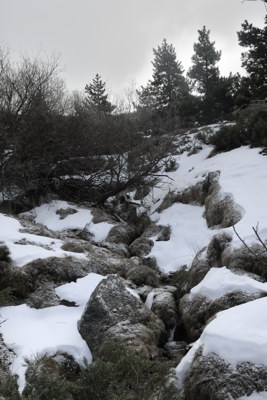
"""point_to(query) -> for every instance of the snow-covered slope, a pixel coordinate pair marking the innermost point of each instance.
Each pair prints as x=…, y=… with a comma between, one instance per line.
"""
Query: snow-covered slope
x=243, y=174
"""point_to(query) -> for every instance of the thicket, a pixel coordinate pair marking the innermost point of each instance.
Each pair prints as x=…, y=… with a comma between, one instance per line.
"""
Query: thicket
x=250, y=129
x=81, y=147
x=117, y=374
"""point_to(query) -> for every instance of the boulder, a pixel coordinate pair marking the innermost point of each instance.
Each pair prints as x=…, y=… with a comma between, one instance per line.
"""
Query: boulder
x=212, y=378
x=221, y=210
x=44, y=296
x=251, y=259
x=142, y=246
x=16, y=278
x=122, y=233
x=143, y=275
x=216, y=248
x=196, y=311
x=164, y=305
x=114, y=313
x=199, y=268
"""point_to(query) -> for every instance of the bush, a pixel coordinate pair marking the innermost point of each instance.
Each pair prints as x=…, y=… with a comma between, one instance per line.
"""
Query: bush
x=117, y=374
x=4, y=253
x=229, y=137
x=6, y=297
x=48, y=386
x=250, y=129
x=121, y=374
x=8, y=386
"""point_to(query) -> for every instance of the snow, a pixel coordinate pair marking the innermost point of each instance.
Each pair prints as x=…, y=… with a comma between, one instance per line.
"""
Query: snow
x=243, y=173
x=48, y=215
x=219, y=281
x=30, y=332
x=254, y=396
x=236, y=335
x=25, y=247
x=189, y=234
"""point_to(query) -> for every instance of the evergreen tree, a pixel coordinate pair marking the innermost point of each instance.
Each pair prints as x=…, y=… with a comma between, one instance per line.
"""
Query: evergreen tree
x=204, y=70
x=168, y=83
x=96, y=96
x=255, y=59
x=165, y=93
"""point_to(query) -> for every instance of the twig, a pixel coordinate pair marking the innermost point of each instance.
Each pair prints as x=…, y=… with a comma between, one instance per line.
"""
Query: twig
x=259, y=238
x=248, y=248
x=244, y=243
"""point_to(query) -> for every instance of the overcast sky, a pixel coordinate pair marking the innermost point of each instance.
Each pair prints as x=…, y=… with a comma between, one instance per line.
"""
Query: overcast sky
x=115, y=38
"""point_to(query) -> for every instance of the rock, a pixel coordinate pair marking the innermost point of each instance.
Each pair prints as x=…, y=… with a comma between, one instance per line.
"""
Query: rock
x=58, y=365
x=196, y=311
x=212, y=378
x=142, y=246
x=143, y=275
x=17, y=278
x=216, y=247
x=122, y=233
x=221, y=210
x=199, y=268
x=113, y=313
x=164, y=305
x=253, y=260
x=44, y=296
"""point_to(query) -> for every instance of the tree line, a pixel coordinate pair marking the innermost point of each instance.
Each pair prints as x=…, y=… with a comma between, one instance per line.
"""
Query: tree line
x=82, y=147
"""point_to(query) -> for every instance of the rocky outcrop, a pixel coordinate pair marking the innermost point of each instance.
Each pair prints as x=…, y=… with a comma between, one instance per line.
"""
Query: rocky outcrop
x=143, y=275
x=164, y=305
x=113, y=313
x=57, y=365
x=196, y=311
x=251, y=259
x=220, y=208
x=212, y=378
x=142, y=246
x=122, y=233
x=208, y=257
x=44, y=296
x=16, y=278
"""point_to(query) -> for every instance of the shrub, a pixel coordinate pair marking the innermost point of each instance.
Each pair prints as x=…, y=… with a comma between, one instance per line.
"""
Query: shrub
x=228, y=137
x=119, y=373
x=6, y=297
x=48, y=386
x=74, y=247
x=4, y=253
x=8, y=386
x=250, y=129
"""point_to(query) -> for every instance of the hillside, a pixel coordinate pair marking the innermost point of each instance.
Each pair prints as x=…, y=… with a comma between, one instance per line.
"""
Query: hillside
x=184, y=281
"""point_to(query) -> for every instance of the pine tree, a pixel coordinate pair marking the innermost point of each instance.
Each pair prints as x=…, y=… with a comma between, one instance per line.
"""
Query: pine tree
x=204, y=70
x=96, y=96
x=255, y=59
x=166, y=91
x=168, y=83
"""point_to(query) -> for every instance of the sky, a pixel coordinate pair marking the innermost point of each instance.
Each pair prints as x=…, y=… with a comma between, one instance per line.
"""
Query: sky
x=115, y=38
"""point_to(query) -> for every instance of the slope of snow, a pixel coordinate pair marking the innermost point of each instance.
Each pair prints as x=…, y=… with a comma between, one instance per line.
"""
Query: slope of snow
x=238, y=334
x=243, y=175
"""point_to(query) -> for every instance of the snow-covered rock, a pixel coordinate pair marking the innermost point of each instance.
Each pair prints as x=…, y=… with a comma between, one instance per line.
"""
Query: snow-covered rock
x=115, y=314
